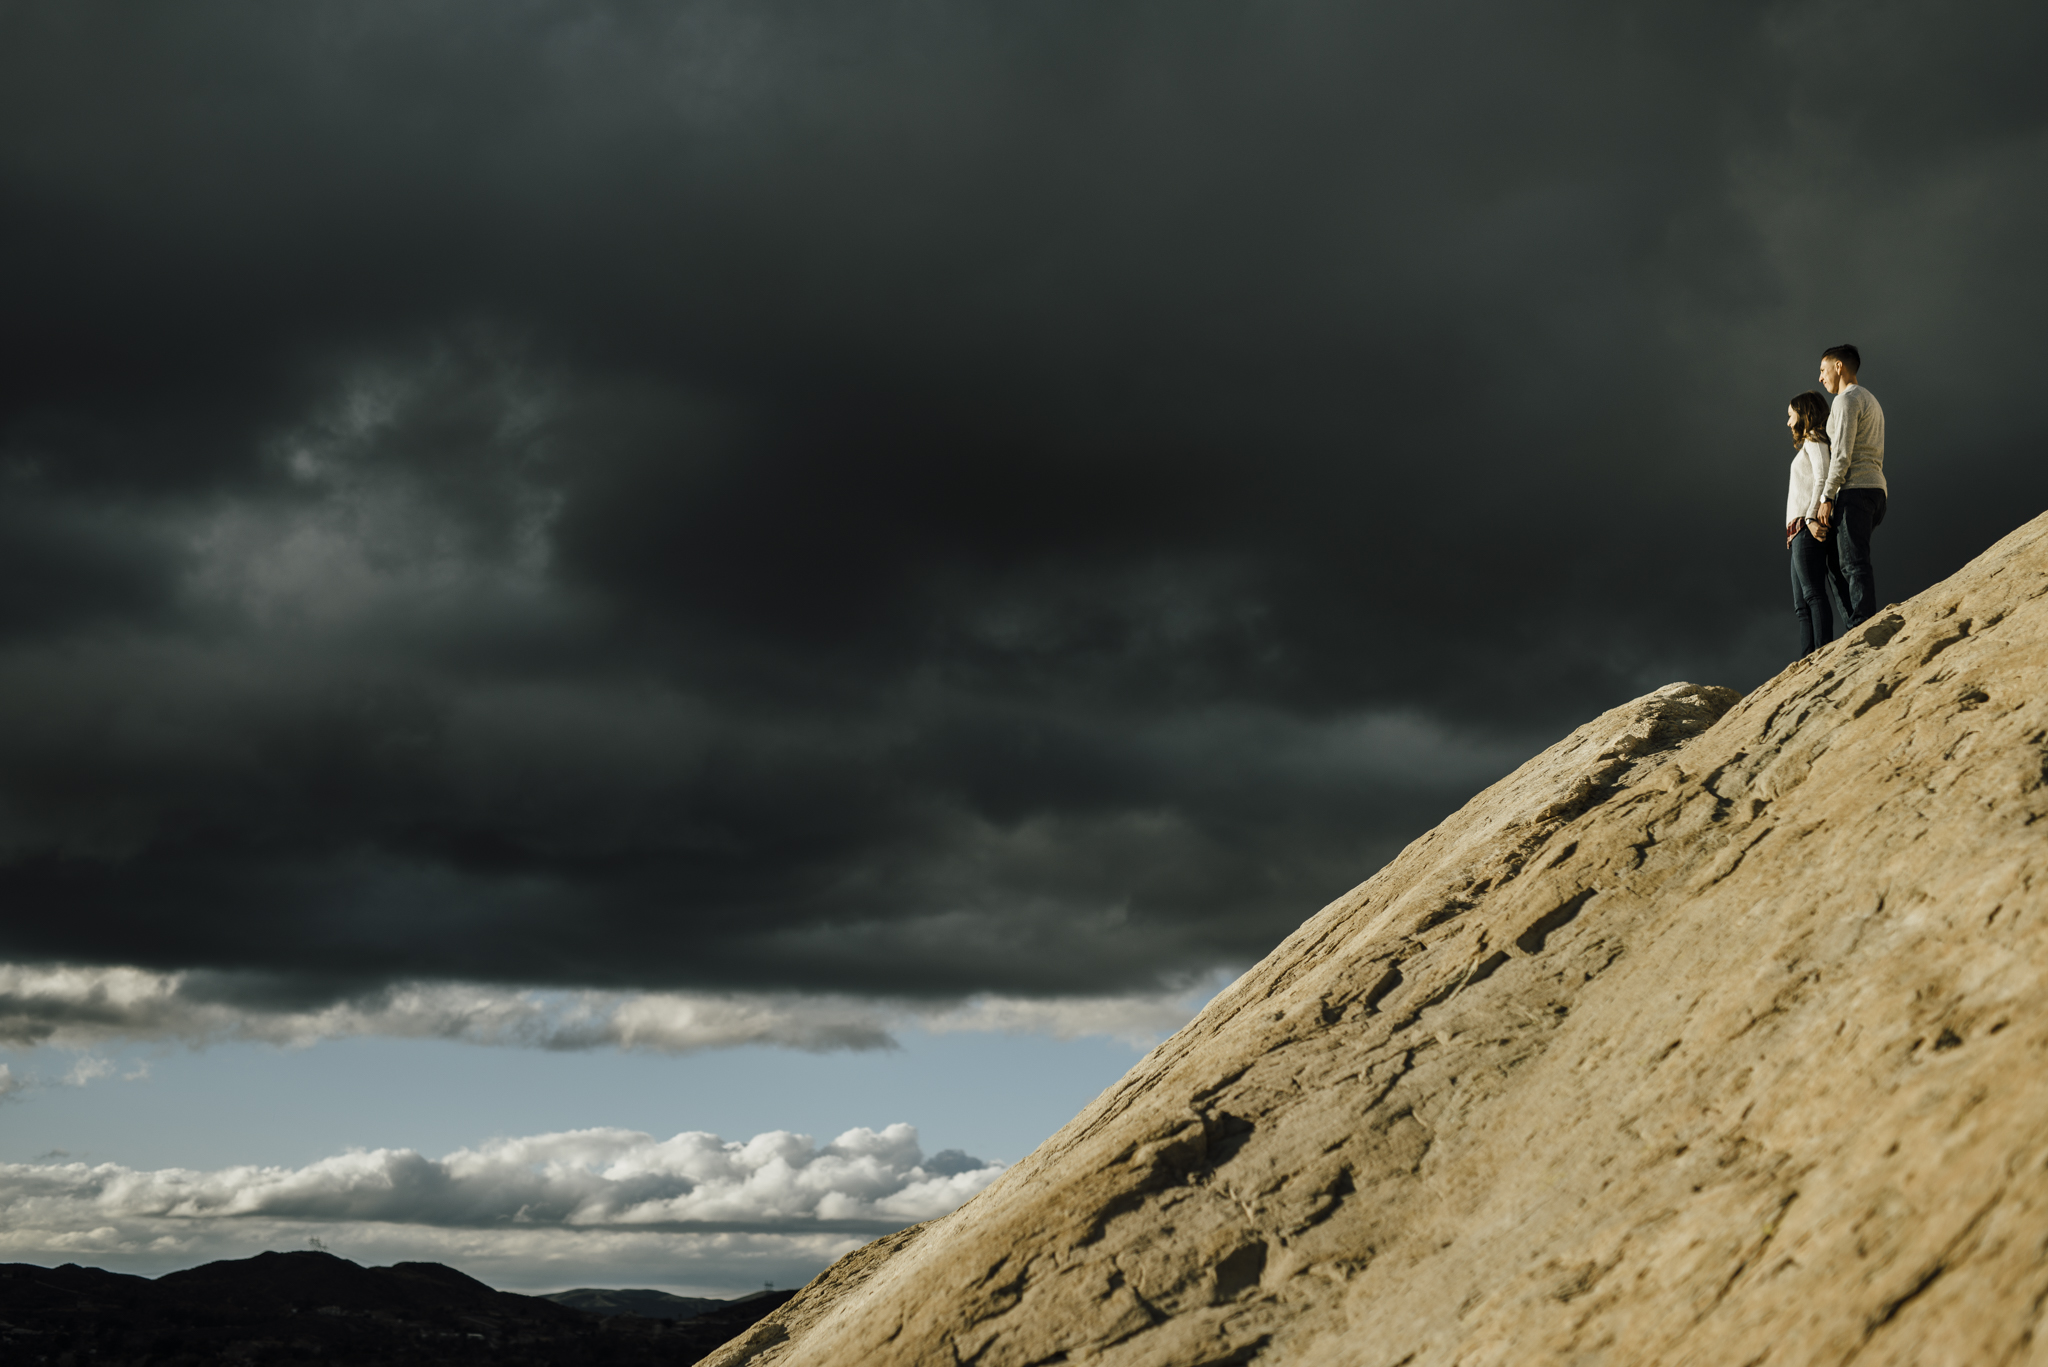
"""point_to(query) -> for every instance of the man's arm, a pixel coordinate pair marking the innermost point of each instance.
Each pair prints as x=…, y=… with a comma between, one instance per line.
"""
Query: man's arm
x=1841, y=445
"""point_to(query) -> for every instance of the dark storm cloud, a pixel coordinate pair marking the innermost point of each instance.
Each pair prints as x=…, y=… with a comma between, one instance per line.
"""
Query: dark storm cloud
x=915, y=498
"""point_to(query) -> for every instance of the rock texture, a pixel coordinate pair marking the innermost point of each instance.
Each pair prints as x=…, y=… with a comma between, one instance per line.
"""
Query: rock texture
x=1714, y=1034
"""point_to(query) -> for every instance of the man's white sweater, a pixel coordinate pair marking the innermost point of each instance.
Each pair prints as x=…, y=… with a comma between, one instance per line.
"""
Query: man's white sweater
x=1855, y=444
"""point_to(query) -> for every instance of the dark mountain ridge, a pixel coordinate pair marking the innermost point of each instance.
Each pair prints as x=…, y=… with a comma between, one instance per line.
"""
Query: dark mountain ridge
x=307, y=1306
x=648, y=1304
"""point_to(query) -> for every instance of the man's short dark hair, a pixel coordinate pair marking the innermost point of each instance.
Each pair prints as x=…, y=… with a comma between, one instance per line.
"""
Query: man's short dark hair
x=1850, y=357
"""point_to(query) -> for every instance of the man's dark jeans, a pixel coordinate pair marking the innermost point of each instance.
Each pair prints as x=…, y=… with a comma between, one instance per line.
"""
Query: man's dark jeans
x=1813, y=566
x=1857, y=514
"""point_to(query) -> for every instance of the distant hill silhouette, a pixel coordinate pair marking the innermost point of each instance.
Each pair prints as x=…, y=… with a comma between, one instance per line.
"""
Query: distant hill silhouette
x=311, y=1306
x=652, y=1305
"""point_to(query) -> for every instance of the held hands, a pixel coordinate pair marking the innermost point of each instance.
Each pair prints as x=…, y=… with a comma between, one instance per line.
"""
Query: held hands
x=1817, y=528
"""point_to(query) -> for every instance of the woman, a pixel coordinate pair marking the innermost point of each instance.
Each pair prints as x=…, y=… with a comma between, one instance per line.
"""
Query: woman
x=1813, y=557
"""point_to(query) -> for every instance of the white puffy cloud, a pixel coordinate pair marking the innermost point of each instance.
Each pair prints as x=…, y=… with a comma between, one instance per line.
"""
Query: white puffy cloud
x=582, y=1178
x=79, y=1007
x=516, y=1208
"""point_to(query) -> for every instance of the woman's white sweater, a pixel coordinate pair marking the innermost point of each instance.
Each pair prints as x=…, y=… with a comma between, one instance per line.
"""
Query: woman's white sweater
x=1809, y=469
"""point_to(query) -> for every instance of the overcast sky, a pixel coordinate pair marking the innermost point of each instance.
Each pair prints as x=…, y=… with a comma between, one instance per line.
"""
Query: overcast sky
x=678, y=526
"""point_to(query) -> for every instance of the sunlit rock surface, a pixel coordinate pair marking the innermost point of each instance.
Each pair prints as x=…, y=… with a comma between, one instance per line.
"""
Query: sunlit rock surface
x=1714, y=1034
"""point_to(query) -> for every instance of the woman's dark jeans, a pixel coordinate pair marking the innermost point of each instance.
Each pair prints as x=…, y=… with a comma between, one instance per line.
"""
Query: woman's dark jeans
x=1813, y=567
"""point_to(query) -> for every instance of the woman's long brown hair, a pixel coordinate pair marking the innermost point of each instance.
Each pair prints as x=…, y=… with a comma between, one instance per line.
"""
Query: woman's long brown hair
x=1813, y=418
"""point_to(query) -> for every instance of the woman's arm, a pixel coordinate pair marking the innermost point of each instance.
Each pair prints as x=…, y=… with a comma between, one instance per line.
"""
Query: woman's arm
x=1816, y=453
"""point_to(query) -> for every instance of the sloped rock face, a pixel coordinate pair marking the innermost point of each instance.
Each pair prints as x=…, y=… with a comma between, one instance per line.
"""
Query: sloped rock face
x=1715, y=1034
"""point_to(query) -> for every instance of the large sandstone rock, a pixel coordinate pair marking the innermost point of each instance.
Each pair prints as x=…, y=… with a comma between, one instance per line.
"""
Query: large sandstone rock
x=1714, y=1034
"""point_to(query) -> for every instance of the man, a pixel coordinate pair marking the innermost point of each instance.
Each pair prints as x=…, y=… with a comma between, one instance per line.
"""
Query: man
x=1853, y=496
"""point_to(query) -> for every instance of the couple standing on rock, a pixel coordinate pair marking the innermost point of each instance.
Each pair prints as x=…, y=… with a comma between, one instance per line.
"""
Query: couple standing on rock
x=1836, y=500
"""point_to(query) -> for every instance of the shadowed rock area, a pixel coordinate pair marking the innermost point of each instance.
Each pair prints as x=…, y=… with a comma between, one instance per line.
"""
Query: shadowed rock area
x=1714, y=1034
